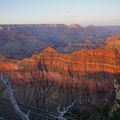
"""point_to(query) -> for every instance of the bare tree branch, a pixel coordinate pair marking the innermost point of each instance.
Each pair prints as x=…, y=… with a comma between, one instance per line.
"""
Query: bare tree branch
x=61, y=114
x=13, y=101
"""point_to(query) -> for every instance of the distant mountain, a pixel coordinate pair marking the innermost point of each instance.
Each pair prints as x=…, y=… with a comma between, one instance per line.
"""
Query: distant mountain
x=19, y=41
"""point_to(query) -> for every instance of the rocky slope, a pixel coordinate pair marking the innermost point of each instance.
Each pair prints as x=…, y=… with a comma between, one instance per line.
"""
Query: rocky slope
x=94, y=68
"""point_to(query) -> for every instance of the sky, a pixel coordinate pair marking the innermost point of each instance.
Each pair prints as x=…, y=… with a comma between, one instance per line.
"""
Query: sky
x=84, y=12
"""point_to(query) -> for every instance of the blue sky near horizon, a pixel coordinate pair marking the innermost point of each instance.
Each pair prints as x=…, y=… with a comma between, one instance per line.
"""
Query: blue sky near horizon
x=84, y=12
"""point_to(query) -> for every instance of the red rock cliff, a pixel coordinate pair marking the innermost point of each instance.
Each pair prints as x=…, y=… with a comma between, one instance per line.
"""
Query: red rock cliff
x=84, y=67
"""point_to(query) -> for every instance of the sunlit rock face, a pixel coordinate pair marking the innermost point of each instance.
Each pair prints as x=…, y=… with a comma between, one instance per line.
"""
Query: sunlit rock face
x=94, y=68
x=98, y=64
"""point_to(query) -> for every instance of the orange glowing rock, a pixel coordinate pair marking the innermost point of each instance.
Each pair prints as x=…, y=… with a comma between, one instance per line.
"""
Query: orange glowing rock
x=89, y=66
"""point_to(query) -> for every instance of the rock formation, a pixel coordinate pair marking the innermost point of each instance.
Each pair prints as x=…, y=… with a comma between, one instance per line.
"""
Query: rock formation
x=94, y=69
x=31, y=39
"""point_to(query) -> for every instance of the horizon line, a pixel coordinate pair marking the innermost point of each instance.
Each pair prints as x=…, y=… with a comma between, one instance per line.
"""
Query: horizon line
x=59, y=24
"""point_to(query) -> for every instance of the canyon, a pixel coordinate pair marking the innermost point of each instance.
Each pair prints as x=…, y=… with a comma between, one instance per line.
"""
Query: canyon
x=32, y=39
x=103, y=60
x=81, y=74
